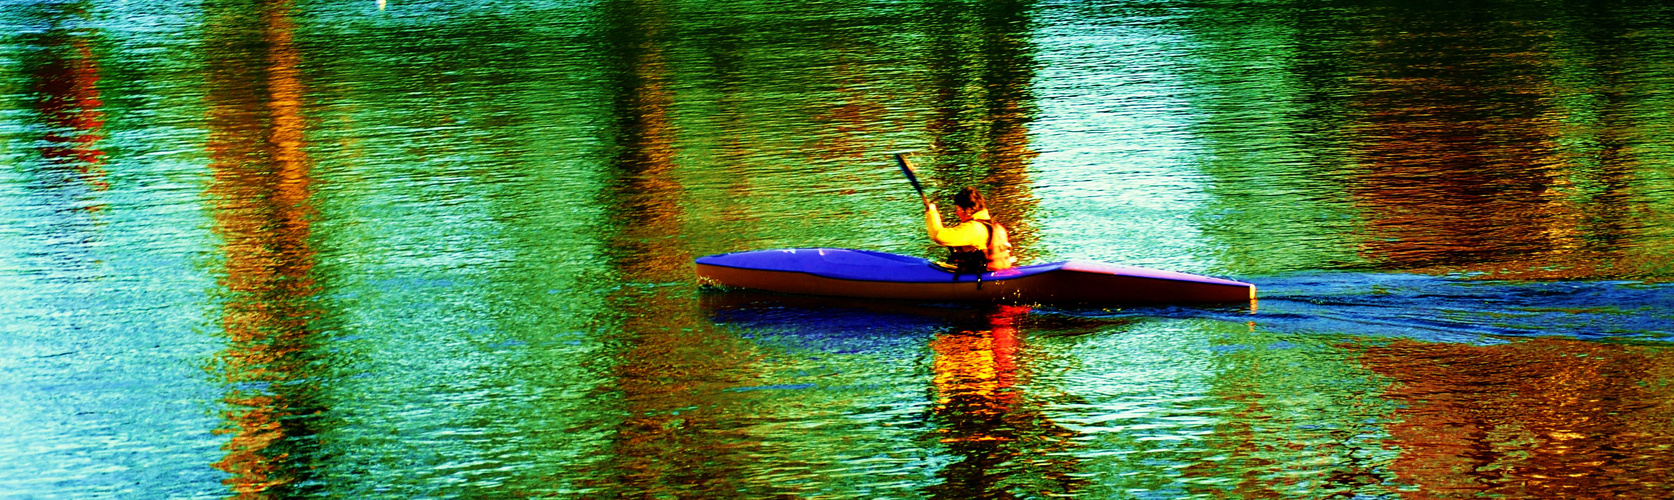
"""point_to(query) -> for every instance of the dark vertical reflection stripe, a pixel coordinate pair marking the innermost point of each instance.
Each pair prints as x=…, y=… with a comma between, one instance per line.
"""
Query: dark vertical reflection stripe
x=262, y=205
x=1463, y=132
x=66, y=83
x=67, y=176
x=644, y=195
x=677, y=438
x=1446, y=157
x=982, y=67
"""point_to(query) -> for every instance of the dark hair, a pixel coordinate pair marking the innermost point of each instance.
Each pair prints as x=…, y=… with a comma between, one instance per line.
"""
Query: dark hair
x=969, y=199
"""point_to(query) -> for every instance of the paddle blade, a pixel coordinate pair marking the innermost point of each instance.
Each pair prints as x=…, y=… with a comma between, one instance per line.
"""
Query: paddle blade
x=901, y=161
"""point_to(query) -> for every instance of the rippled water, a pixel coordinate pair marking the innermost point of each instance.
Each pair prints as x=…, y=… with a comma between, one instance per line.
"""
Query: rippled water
x=443, y=249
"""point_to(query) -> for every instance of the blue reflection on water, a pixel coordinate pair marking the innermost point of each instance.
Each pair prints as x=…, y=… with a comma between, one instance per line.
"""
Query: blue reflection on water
x=1447, y=309
x=835, y=327
x=1420, y=307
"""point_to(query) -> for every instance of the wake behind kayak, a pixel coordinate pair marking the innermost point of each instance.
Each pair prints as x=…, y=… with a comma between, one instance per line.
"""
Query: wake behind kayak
x=842, y=272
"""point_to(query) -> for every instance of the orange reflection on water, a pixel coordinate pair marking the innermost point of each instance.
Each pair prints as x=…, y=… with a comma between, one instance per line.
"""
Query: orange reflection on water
x=1546, y=418
x=1003, y=442
x=680, y=435
x=676, y=438
x=645, y=200
x=1463, y=165
x=260, y=190
x=976, y=371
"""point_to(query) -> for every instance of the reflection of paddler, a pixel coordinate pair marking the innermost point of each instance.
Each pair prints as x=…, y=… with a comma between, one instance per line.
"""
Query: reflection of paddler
x=977, y=244
x=1003, y=444
x=975, y=372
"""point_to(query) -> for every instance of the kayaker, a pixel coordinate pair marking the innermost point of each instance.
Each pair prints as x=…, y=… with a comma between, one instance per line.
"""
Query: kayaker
x=976, y=244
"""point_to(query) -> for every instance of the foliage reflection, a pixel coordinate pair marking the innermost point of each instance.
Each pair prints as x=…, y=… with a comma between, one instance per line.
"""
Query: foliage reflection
x=263, y=212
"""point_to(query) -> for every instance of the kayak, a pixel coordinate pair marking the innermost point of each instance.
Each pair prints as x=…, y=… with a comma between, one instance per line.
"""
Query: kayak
x=842, y=272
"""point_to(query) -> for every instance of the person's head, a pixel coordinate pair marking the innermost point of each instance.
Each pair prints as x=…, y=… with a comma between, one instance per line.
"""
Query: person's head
x=968, y=202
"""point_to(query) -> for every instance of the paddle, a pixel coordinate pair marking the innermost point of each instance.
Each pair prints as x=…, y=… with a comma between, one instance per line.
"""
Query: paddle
x=901, y=161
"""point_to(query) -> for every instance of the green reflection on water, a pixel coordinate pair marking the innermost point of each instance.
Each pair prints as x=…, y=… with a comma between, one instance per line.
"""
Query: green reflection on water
x=1278, y=75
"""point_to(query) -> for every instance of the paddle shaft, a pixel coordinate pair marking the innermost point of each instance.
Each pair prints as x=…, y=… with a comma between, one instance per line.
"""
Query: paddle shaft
x=901, y=161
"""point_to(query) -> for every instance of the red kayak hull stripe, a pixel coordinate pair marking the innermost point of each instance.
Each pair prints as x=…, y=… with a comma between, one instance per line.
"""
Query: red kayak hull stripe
x=1068, y=285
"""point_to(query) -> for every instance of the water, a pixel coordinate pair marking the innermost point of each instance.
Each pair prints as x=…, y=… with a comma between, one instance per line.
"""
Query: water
x=443, y=249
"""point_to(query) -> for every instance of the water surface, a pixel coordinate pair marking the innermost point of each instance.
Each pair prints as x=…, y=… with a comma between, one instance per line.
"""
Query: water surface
x=443, y=249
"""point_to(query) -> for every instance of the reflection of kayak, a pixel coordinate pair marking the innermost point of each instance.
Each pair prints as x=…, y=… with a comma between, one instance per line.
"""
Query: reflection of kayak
x=877, y=275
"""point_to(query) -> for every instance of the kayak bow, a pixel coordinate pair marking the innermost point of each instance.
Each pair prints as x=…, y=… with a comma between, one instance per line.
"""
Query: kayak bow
x=877, y=275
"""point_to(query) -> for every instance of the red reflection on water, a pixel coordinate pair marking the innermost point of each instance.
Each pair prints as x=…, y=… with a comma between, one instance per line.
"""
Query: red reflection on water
x=1003, y=442
x=1248, y=449
x=975, y=371
x=1274, y=435
x=67, y=85
x=855, y=123
x=1545, y=418
x=261, y=196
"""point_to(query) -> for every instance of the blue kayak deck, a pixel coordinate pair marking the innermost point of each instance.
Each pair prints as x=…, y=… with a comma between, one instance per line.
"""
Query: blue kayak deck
x=854, y=265
x=867, y=265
